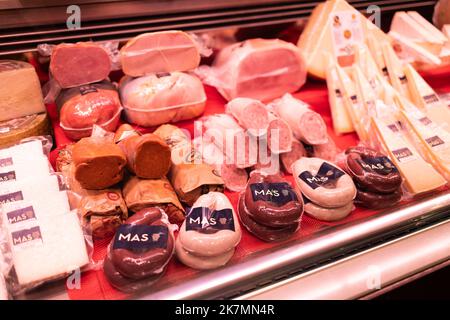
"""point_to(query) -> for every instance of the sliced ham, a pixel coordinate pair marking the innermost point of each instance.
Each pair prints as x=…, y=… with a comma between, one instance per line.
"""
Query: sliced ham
x=164, y=51
x=307, y=125
x=72, y=65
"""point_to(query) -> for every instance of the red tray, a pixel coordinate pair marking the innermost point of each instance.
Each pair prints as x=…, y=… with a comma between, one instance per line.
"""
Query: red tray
x=94, y=284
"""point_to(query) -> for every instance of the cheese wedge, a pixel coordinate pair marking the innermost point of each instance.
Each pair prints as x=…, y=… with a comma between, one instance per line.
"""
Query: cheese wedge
x=407, y=49
x=376, y=51
x=366, y=92
x=424, y=97
x=446, y=31
x=369, y=68
x=419, y=176
x=353, y=102
x=334, y=27
x=410, y=28
x=342, y=122
x=425, y=24
x=395, y=68
x=433, y=140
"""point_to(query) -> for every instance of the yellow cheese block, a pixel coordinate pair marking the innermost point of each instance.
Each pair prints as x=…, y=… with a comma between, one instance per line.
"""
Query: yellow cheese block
x=419, y=176
x=424, y=97
x=409, y=49
x=334, y=27
x=342, y=122
x=12, y=131
x=425, y=24
x=365, y=91
x=446, y=31
x=369, y=68
x=395, y=69
x=433, y=140
x=375, y=46
x=20, y=90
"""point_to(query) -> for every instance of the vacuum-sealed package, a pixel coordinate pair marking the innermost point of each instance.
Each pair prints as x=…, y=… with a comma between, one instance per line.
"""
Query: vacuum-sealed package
x=210, y=233
x=164, y=51
x=84, y=106
x=77, y=64
x=261, y=69
x=132, y=265
x=189, y=175
x=160, y=98
x=142, y=193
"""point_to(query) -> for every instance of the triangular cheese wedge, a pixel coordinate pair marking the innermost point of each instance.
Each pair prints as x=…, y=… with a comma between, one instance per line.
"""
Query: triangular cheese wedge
x=434, y=141
x=334, y=27
x=369, y=68
x=446, y=31
x=424, y=23
x=408, y=49
x=419, y=176
x=410, y=28
x=342, y=122
x=366, y=92
x=354, y=104
x=376, y=51
x=424, y=97
x=395, y=69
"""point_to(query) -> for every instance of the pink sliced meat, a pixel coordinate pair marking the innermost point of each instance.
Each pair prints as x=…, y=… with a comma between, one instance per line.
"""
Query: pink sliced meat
x=165, y=51
x=279, y=135
x=268, y=162
x=251, y=115
x=72, y=65
x=307, y=125
x=287, y=159
x=232, y=140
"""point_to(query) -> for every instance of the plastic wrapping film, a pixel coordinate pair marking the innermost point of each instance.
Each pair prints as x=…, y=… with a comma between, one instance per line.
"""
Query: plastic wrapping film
x=257, y=68
x=43, y=241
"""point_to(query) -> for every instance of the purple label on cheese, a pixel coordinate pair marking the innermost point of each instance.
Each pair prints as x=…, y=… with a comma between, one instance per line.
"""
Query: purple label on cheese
x=140, y=238
x=11, y=197
x=7, y=176
x=6, y=162
x=381, y=165
x=26, y=236
x=402, y=154
x=435, y=141
x=204, y=219
x=431, y=98
x=278, y=193
x=326, y=177
x=20, y=215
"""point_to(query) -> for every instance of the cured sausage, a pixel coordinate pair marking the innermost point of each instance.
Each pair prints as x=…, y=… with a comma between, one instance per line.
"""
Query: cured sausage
x=307, y=125
x=328, y=214
x=99, y=164
x=164, y=51
x=265, y=233
x=287, y=159
x=377, y=200
x=211, y=228
x=148, y=156
x=82, y=107
x=251, y=115
x=143, y=245
x=271, y=201
x=279, y=135
x=73, y=65
x=372, y=170
x=155, y=99
x=326, y=151
x=323, y=183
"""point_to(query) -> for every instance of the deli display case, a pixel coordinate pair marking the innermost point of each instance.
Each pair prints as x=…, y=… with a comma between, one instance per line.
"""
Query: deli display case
x=399, y=237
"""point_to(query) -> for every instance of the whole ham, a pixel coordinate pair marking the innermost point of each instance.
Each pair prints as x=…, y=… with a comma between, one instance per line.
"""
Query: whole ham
x=162, y=98
x=72, y=65
x=164, y=51
x=261, y=69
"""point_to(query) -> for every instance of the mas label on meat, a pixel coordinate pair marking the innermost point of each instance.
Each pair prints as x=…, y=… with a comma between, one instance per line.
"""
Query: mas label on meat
x=278, y=193
x=381, y=165
x=203, y=219
x=326, y=177
x=20, y=215
x=139, y=238
x=26, y=237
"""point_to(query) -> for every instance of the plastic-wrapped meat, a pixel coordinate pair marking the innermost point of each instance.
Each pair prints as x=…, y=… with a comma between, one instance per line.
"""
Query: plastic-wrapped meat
x=288, y=158
x=162, y=98
x=261, y=69
x=232, y=140
x=251, y=115
x=307, y=125
x=84, y=106
x=72, y=65
x=279, y=135
x=164, y=51
x=326, y=151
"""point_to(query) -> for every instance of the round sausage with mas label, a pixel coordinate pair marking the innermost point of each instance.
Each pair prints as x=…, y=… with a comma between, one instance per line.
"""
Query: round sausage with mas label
x=323, y=183
x=372, y=170
x=271, y=201
x=328, y=214
x=375, y=201
x=142, y=246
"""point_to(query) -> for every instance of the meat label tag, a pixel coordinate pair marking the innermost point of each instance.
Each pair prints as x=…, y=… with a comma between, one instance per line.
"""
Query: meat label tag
x=26, y=237
x=140, y=238
x=278, y=193
x=20, y=215
x=380, y=165
x=5, y=162
x=7, y=176
x=326, y=177
x=11, y=197
x=203, y=219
